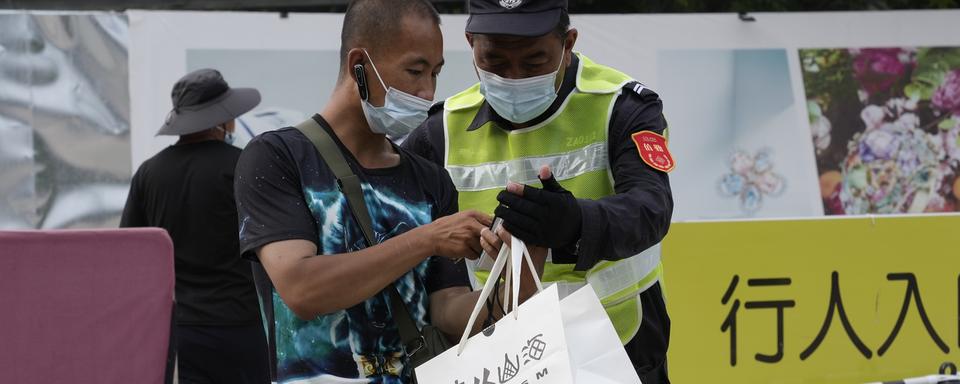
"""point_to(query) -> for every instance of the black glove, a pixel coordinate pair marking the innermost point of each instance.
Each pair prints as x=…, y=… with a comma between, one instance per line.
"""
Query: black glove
x=548, y=217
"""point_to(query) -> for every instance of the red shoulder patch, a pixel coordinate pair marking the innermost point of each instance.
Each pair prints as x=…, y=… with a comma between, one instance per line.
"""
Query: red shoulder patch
x=653, y=150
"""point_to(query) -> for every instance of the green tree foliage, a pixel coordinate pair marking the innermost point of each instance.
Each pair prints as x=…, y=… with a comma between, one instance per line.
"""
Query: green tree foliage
x=648, y=6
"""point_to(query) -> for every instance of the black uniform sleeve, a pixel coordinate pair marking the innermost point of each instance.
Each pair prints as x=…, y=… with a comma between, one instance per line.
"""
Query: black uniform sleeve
x=444, y=273
x=270, y=202
x=134, y=214
x=638, y=215
x=427, y=140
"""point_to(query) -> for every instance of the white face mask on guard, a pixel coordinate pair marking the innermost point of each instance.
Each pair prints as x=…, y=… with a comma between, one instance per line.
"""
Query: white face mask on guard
x=519, y=100
x=400, y=114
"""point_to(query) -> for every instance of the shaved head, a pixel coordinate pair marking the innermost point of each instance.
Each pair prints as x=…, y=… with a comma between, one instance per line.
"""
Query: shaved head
x=375, y=23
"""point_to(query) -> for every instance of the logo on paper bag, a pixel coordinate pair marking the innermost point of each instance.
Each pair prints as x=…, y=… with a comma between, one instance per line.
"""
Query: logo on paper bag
x=512, y=365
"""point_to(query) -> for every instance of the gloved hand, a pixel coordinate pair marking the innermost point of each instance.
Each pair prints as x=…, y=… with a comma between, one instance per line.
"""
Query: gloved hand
x=548, y=217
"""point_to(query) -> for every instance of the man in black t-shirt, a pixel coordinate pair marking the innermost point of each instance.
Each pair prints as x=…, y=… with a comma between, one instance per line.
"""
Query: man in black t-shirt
x=187, y=189
x=329, y=315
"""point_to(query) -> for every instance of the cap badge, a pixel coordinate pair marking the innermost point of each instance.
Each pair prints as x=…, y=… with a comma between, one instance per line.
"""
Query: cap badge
x=510, y=4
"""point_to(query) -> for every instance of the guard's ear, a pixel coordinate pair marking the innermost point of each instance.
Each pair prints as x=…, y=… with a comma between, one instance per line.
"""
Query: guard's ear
x=569, y=42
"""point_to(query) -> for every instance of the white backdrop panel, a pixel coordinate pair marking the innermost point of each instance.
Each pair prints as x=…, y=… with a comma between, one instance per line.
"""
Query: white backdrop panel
x=731, y=89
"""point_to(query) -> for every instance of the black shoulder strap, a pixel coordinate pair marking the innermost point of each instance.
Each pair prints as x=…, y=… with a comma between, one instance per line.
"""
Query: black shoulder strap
x=349, y=185
x=347, y=181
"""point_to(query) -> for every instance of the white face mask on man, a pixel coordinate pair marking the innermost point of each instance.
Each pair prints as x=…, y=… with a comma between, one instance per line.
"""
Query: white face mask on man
x=519, y=100
x=401, y=112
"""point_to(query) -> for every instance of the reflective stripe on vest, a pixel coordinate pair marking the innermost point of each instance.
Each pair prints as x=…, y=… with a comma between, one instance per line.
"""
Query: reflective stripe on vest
x=617, y=281
x=573, y=142
x=495, y=175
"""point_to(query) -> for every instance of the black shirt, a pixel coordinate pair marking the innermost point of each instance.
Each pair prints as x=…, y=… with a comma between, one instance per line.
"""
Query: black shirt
x=614, y=227
x=187, y=189
x=285, y=191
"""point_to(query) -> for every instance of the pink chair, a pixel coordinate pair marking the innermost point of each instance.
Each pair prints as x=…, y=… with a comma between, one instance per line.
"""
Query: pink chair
x=86, y=306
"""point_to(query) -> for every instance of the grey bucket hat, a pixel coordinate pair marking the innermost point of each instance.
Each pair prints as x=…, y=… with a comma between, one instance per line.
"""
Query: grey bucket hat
x=202, y=100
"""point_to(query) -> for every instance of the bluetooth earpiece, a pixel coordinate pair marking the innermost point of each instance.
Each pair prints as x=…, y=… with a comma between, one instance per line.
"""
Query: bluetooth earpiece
x=361, y=81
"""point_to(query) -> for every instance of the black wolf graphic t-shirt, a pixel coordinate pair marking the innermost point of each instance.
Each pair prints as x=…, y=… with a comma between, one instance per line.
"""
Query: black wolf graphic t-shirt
x=285, y=191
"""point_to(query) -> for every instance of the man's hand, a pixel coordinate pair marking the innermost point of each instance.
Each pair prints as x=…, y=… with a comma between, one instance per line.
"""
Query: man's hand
x=457, y=236
x=492, y=242
x=548, y=217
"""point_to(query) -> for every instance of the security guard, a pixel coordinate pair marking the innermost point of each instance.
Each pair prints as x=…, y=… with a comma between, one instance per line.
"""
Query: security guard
x=591, y=136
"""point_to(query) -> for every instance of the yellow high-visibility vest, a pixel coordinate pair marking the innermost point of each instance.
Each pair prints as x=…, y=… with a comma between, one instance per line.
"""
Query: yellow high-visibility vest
x=573, y=142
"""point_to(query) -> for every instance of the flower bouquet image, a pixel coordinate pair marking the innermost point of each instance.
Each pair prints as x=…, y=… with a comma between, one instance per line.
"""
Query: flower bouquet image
x=751, y=178
x=885, y=124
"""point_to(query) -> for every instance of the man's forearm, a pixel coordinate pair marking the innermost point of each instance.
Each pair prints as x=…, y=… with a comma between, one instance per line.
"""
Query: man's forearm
x=312, y=285
x=451, y=308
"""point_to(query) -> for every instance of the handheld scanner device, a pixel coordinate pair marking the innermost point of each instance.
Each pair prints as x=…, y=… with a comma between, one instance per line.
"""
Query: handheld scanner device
x=485, y=259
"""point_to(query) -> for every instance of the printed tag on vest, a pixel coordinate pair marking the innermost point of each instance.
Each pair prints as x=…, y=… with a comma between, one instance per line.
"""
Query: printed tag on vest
x=653, y=150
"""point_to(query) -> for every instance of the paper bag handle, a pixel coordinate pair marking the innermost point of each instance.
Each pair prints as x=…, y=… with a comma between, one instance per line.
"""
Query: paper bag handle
x=515, y=253
x=519, y=252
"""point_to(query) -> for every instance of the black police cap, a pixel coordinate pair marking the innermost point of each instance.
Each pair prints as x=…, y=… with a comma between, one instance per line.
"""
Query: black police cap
x=527, y=18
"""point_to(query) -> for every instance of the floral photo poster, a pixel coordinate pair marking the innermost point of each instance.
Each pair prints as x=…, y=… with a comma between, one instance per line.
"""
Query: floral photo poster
x=885, y=124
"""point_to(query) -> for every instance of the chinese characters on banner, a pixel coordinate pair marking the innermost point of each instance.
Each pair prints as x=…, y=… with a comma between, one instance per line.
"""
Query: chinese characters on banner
x=834, y=300
x=912, y=295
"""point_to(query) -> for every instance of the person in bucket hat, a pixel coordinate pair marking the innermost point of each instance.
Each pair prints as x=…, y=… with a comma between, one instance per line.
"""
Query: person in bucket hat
x=187, y=189
x=202, y=100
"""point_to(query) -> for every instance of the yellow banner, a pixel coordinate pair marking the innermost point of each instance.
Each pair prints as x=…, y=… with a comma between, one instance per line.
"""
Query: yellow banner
x=847, y=300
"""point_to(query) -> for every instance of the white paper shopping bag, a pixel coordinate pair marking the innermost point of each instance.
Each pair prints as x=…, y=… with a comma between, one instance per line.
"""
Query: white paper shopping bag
x=544, y=340
x=596, y=354
x=528, y=346
x=529, y=349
